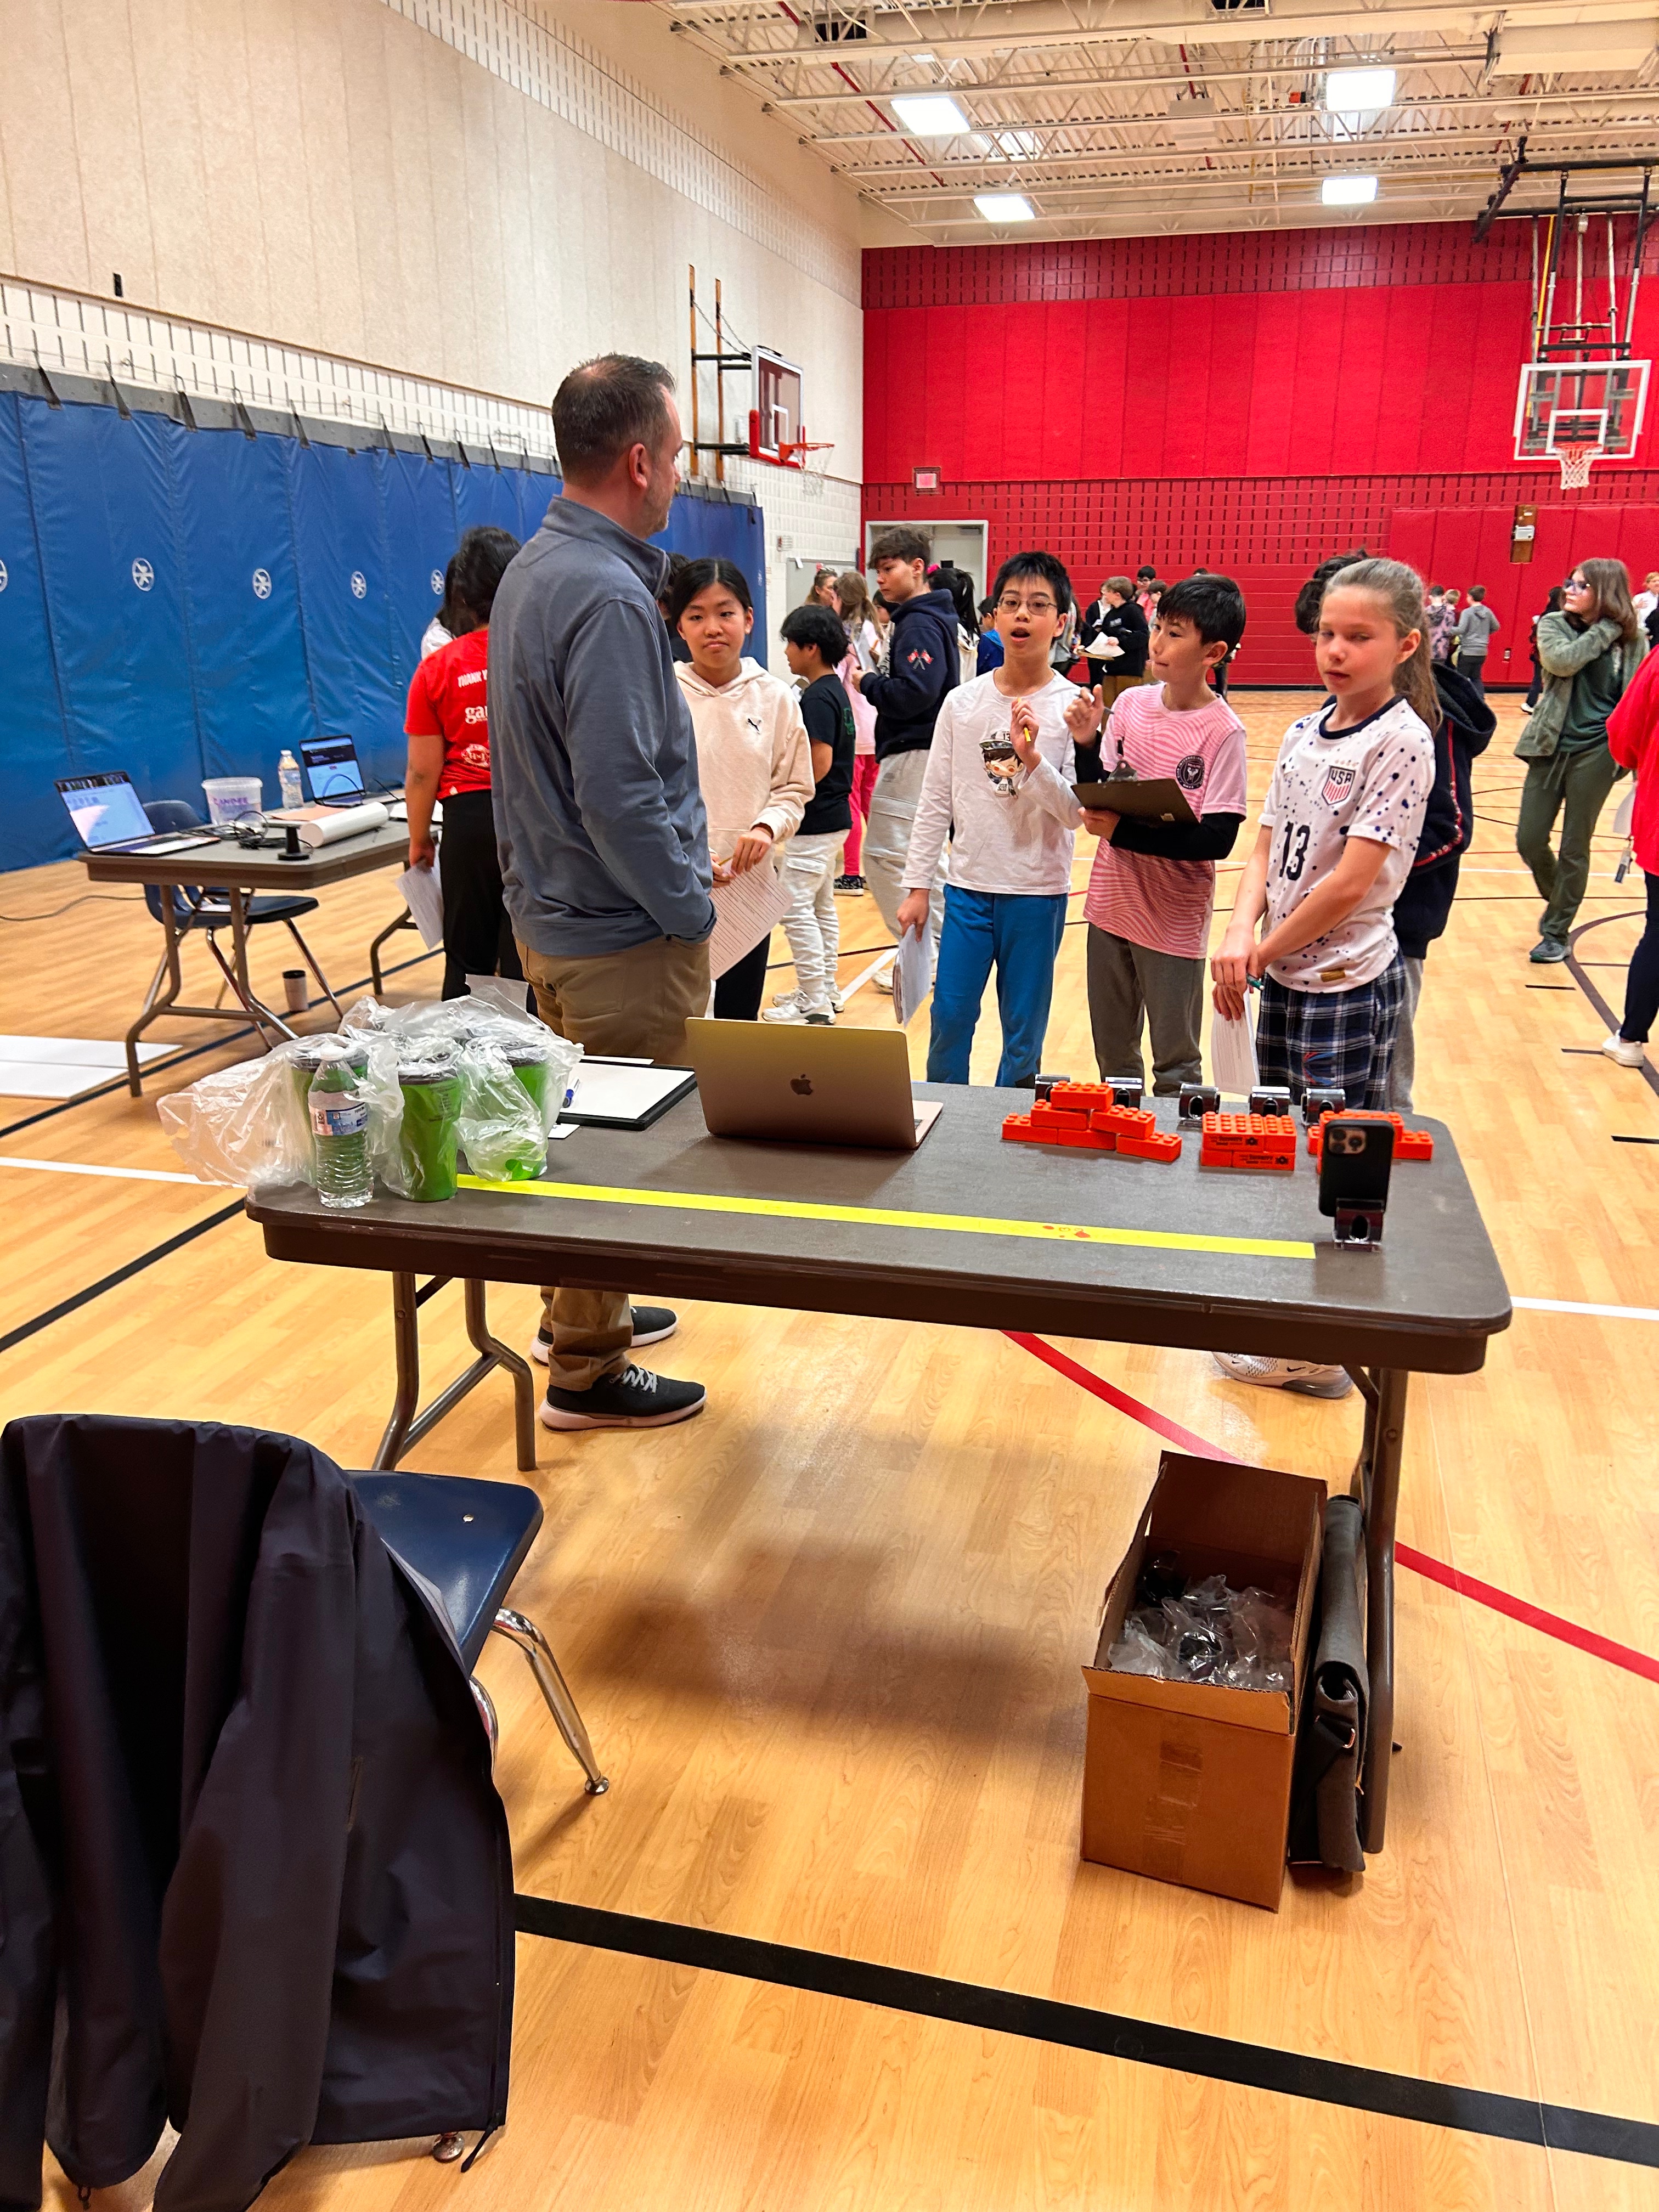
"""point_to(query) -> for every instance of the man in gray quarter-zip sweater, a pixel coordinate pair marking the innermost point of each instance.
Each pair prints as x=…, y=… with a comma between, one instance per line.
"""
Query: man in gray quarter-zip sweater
x=604, y=839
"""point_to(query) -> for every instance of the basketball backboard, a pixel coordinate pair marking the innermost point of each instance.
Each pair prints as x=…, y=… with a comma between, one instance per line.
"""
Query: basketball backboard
x=774, y=421
x=1579, y=411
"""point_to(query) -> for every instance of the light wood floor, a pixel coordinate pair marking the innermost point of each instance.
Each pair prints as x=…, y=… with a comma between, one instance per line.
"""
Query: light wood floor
x=828, y=1640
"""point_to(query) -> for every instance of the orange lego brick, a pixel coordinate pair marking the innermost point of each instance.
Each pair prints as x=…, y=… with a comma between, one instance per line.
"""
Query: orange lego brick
x=1408, y=1144
x=1124, y=1121
x=1080, y=1098
x=1086, y=1140
x=1016, y=1130
x=1045, y=1117
x=1154, y=1145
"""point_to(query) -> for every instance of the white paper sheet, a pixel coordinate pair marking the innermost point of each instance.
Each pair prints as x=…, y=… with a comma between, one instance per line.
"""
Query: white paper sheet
x=746, y=909
x=1233, y=1054
x=620, y=1090
x=422, y=893
x=913, y=979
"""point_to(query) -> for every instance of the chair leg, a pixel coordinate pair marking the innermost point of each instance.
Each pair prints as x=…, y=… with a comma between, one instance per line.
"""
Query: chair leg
x=486, y=1705
x=307, y=955
x=519, y=1629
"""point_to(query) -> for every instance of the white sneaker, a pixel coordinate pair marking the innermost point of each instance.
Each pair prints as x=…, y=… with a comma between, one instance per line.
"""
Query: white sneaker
x=801, y=1017
x=793, y=998
x=1306, y=1376
x=1623, y=1050
x=785, y=998
x=884, y=982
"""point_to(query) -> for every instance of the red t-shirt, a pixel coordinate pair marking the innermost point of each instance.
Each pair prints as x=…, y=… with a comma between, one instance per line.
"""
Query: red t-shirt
x=449, y=699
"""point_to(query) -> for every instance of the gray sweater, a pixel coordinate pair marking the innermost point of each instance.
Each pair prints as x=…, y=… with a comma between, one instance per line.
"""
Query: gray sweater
x=1474, y=628
x=604, y=839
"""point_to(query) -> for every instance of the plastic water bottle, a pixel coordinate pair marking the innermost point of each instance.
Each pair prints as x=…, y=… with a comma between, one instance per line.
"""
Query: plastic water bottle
x=288, y=775
x=339, y=1106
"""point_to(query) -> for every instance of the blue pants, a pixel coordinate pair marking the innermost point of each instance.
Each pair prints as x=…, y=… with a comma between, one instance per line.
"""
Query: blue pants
x=1020, y=935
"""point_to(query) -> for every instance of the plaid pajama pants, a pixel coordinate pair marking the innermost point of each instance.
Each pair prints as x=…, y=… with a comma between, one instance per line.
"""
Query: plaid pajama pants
x=1316, y=1040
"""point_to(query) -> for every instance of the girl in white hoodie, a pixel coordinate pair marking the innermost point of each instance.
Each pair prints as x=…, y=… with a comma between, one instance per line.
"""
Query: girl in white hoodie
x=753, y=759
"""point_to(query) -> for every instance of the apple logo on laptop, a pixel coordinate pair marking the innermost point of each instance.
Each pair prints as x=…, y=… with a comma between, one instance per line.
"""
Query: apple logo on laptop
x=803, y=1083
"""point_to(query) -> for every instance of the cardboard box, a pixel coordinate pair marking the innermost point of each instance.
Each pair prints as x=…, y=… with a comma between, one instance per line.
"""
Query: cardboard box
x=1188, y=1782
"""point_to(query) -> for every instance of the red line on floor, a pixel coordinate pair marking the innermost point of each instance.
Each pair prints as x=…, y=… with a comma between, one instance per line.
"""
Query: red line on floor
x=1436, y=1570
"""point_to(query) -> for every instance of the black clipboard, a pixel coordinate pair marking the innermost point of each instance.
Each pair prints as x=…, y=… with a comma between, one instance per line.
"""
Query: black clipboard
x=1140, y=799
x=664, y=1087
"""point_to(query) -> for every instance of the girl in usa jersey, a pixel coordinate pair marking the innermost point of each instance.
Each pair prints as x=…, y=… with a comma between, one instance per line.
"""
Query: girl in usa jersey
x=1339, y=830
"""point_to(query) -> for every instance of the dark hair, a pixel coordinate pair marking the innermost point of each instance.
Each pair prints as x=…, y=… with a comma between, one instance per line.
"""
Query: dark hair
x=1035, y=564
x=604, y=408
x=1477, y=590
x=696, y=576
x=1609, y=583
x=1557, y=600
x=1313, y=592
x=480, y=562
x=677, y=565
x=903, y=542
x=1145, y=575
x=1214, y=604
x=1401, y=590
x=445, y=609
x=812, y=624
x=960, y=585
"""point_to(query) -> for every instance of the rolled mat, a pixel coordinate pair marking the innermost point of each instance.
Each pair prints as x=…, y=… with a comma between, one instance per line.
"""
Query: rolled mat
x=1331, y=1737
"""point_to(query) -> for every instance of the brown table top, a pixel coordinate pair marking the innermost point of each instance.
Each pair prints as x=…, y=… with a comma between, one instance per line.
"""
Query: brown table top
x=967, y=1230
x=226, y=867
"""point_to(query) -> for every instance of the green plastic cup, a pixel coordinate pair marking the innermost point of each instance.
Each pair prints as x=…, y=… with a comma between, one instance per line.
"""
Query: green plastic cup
x=432, y=1101
x=306, y=1063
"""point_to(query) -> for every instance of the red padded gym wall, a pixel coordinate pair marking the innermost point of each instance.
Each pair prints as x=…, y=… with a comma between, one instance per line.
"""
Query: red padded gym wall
x=1252, y=403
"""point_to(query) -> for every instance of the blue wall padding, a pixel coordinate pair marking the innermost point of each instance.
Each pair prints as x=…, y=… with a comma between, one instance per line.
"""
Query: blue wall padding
x=183, y=603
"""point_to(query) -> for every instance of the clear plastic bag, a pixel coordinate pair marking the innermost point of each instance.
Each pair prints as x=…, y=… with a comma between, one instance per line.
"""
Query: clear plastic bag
x=248, y=1125
x=1237, y=1639
x=500, y=1124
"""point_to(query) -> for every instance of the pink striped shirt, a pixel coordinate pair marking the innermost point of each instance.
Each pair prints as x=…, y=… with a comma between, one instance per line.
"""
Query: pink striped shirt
x=1165, y=904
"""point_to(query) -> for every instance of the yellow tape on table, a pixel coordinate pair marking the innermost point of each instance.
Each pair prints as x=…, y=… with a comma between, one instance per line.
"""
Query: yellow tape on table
x=883, y=1217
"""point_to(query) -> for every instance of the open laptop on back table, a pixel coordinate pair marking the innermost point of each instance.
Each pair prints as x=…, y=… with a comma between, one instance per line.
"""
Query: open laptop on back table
x=808, y=1086
x=109, y=817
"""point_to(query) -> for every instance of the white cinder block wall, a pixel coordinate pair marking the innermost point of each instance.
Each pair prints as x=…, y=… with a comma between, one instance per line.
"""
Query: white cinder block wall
x=471, y=190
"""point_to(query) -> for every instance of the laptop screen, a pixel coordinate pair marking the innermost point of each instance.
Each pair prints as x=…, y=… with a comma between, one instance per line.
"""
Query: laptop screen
x=105, y=810
x=331, y=765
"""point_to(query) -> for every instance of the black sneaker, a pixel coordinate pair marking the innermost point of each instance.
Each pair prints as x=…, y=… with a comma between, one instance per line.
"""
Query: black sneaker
x=853, y=883
x=650, y=1325
x=636, y=1399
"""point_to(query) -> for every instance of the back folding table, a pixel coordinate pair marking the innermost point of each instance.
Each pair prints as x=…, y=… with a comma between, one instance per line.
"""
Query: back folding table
x=973, y=1232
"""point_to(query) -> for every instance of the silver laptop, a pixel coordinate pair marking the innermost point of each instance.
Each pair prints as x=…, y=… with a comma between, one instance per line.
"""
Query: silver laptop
x=109, y=817
x=332, y=766
x=808, y=1085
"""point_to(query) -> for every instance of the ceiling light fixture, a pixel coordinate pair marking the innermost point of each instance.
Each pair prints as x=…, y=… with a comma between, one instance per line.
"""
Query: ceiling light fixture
x=1354, y=97
x=1005, y=207
x=930, y=114
x=1348, y=192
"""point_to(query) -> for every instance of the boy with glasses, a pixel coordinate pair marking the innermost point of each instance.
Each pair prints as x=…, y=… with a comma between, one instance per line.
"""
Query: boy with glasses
x=996, y=785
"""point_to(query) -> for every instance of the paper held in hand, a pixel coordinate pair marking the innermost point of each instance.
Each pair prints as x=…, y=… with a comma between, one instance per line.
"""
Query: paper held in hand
x=423, y=896
x=1233, y=1054
x=746, y=909
x=912, y=976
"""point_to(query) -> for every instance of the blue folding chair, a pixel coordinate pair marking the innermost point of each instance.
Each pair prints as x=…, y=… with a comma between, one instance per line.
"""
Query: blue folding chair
x=469, y=1539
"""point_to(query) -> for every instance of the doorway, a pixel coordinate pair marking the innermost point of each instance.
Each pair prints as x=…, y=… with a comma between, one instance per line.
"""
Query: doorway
x=962, y=542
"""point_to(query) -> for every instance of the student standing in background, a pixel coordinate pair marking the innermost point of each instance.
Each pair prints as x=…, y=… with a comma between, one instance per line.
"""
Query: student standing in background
x=852, y=599
x=814, y=641
x=1443, y=627
x=924, y=663
x=1114, y=634
x=1589, y=652
x=447, y=724
x=1633, y=728
x=1475, y=626
x=1553, y=606
x=753, y=761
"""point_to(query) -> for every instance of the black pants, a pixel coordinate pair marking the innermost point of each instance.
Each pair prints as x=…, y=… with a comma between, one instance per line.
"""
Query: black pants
x=738, y=995
x=1641, y=986
x=477, y=936
x=1476, y=672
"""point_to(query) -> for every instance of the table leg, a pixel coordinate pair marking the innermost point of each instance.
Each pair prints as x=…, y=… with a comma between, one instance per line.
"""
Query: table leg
x=403, y=922
x=1377, y=1485
x=156, y=1001
x=406, y=1427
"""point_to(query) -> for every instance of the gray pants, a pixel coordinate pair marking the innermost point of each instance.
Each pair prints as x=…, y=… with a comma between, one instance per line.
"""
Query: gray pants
x=1129, y=982
x=887, y=841
x=1403, y=1066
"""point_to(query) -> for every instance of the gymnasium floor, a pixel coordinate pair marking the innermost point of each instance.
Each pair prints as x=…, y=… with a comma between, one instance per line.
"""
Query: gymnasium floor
x=827, y=1639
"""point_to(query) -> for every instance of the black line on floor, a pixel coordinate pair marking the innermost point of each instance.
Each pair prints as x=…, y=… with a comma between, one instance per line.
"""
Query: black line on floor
x=1635, y=1140
x=1110, y=2035
x=1548, y=987
x=121, y=1275
x=1574, y=969
x=192, y=1052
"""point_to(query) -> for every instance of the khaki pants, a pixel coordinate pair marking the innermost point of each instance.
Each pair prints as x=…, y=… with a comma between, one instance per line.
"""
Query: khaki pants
x=634, y=1004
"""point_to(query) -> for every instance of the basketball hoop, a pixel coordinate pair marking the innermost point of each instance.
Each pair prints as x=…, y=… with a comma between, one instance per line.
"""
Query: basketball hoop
x=1576, y=459
x=811, y=458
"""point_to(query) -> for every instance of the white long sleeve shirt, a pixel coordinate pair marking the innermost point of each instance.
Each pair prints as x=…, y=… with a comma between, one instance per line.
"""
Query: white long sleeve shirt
x=1014, y=827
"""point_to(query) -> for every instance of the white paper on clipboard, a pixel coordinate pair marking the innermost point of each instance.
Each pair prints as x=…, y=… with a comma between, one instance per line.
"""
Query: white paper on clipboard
x=745, y=910
x=423, y=893
x=912, y=976
x=1233, y=1054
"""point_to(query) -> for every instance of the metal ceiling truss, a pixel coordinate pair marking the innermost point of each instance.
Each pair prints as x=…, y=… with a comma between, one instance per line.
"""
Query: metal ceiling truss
x=1157, y=115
